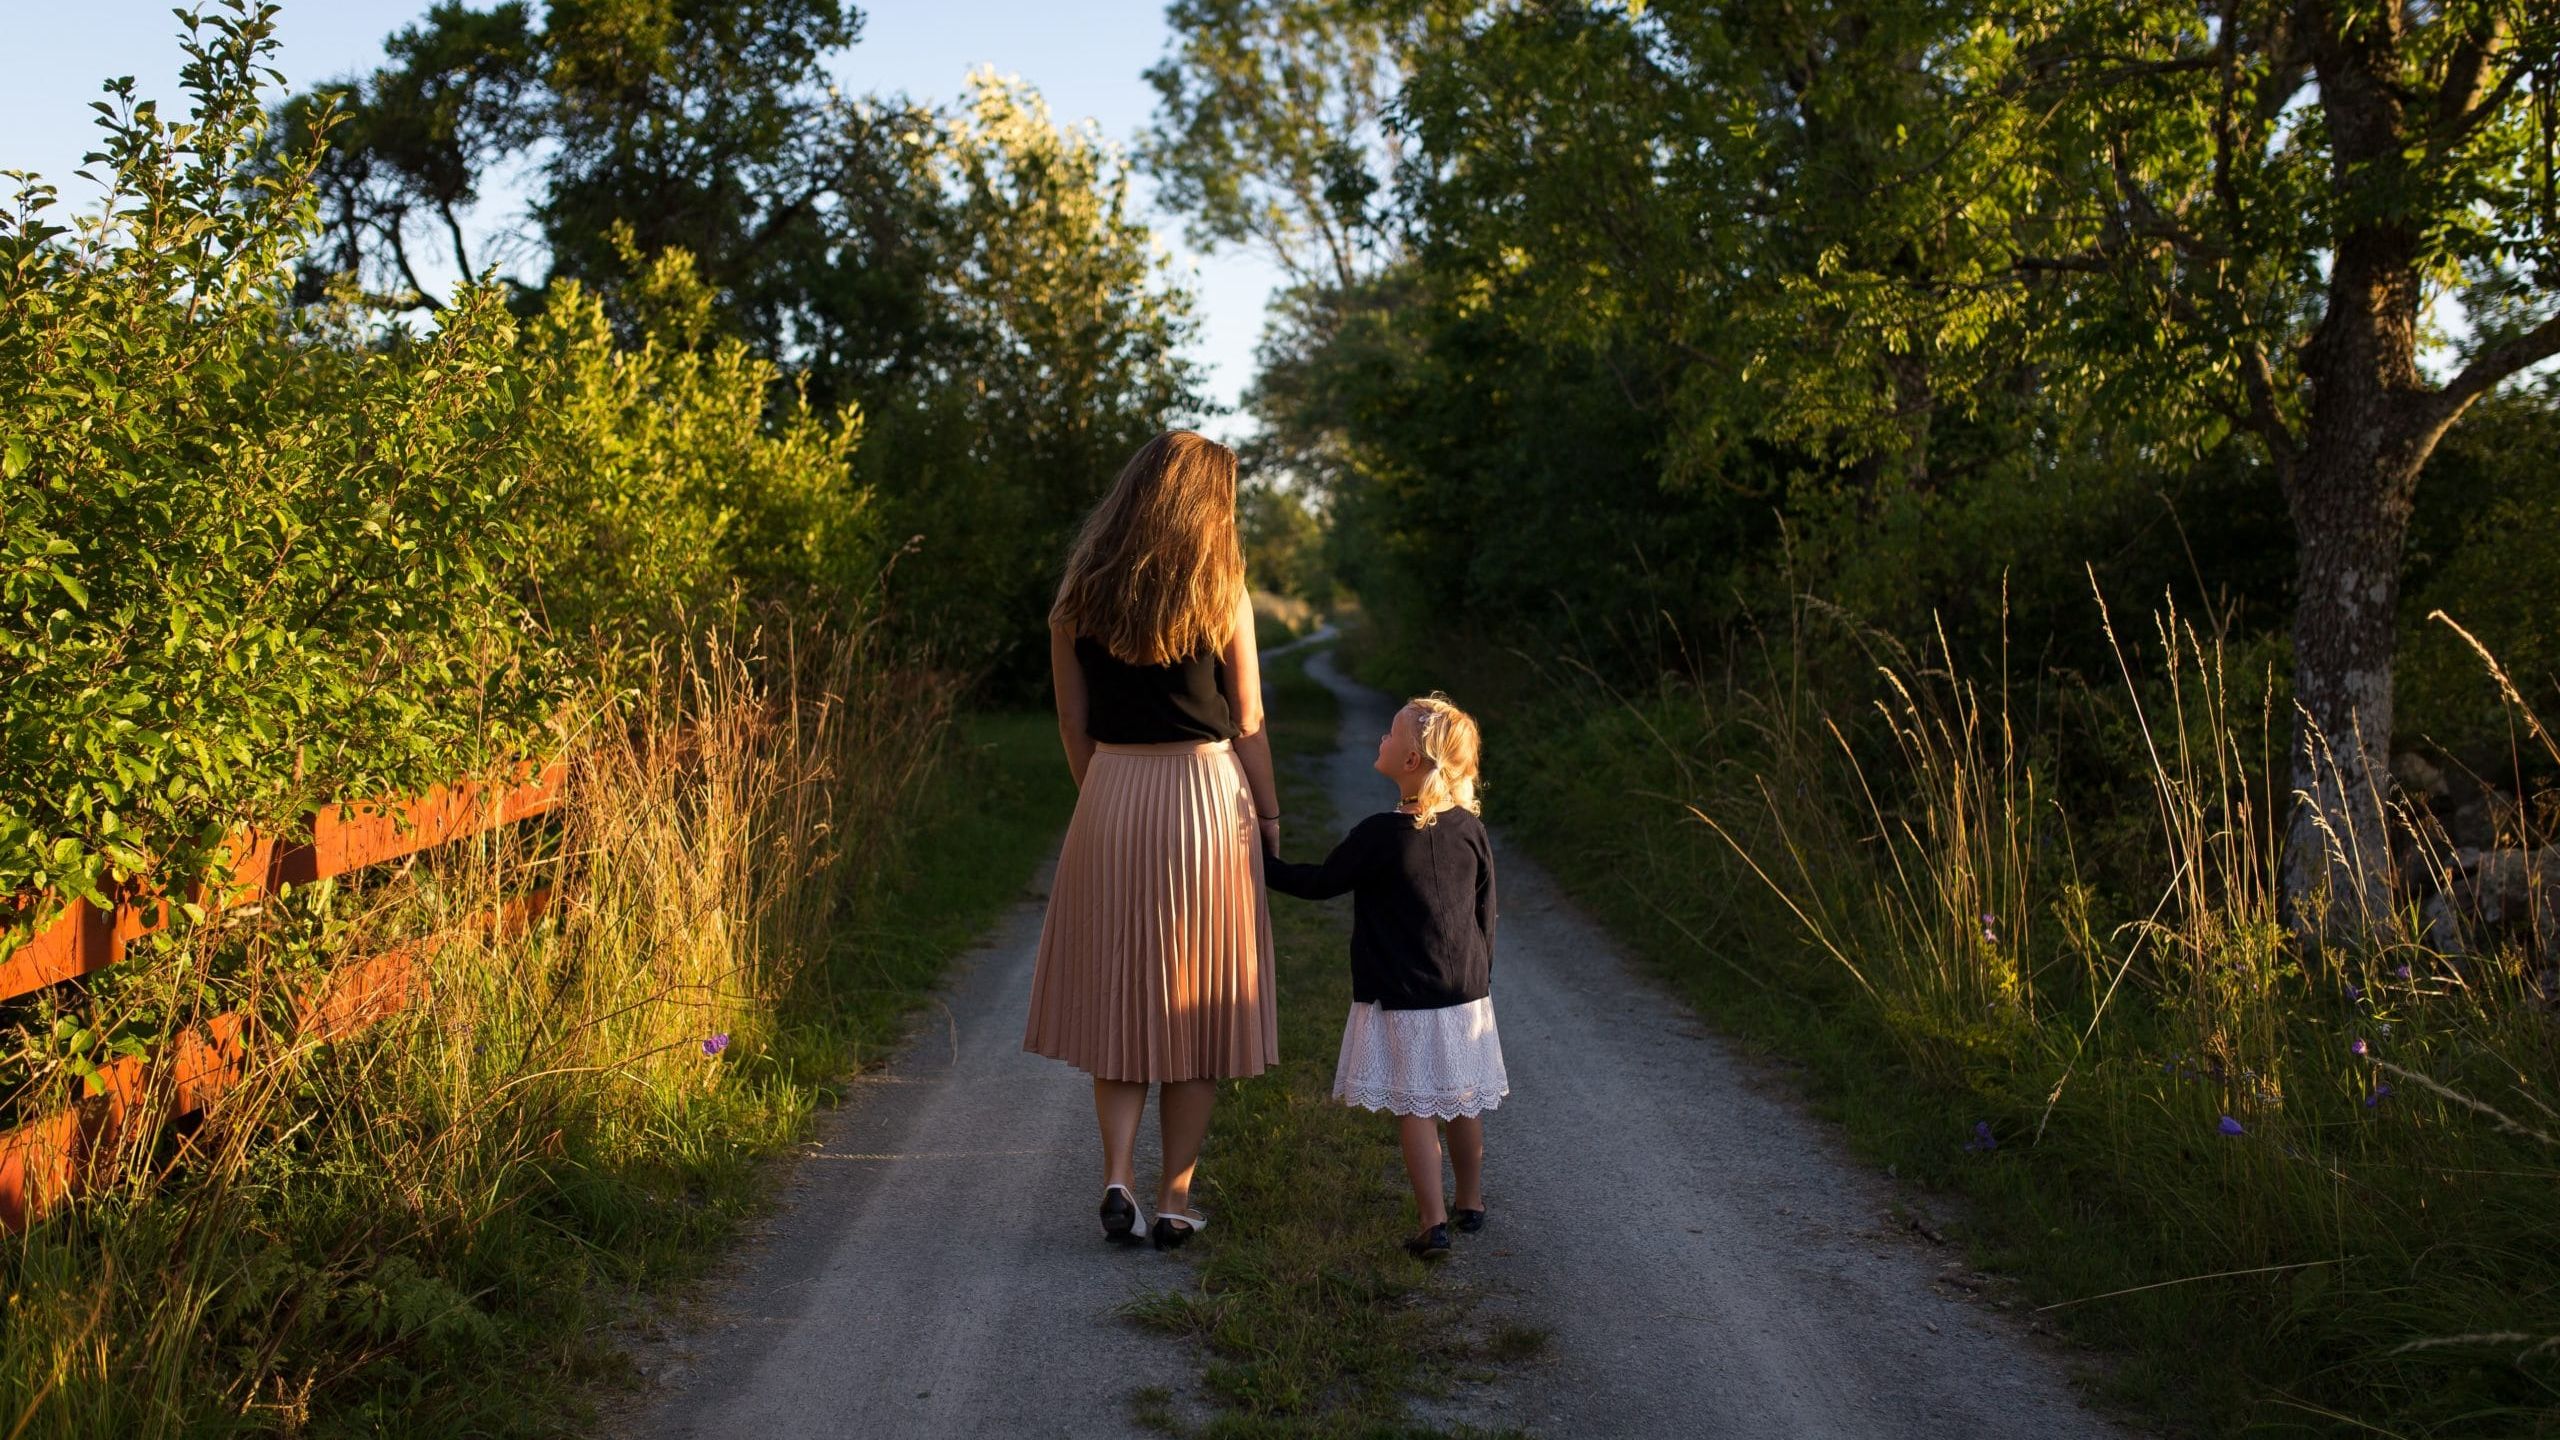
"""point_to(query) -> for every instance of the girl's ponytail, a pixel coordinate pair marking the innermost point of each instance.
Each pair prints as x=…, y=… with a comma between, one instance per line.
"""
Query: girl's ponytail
x=1450, y=743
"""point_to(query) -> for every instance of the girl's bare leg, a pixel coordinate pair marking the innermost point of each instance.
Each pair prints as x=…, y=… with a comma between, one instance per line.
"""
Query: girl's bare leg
x=1118, y=1105
x=1466, y=1159
x=1421, y=1139
x=1182, y=1108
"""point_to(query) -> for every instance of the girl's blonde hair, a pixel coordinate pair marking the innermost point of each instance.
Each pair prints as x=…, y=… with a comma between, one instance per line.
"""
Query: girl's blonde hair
x=1155, y=572
x=1450, y=743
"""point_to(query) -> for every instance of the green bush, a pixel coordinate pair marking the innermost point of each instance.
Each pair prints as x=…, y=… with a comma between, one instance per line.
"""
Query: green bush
x=257, y=555
x=2486, y=542
x=664, y=475
x=249, y=559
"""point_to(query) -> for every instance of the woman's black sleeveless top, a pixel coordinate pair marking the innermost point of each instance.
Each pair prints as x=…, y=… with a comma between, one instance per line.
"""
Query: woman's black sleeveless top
x=1154, y=704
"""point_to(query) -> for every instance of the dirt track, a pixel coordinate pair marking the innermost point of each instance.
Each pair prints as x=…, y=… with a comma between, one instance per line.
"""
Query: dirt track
x=935, y=1269
x=1707, y=1260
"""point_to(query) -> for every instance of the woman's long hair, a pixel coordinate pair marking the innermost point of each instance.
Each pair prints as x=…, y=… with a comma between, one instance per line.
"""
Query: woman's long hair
x=1155, y=572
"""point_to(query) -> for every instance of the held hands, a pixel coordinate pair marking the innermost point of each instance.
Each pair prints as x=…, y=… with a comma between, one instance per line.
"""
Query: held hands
x=1270, y=834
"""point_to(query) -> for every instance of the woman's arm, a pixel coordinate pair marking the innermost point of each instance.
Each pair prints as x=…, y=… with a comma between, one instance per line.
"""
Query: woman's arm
x=1244, y=706
x=1066, y=683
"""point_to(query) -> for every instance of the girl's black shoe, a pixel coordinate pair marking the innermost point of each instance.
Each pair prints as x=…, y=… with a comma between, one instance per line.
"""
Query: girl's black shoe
x=1431, y=1244
x=1470, y=1221
x=1119, y=1215
x=1170, y=1231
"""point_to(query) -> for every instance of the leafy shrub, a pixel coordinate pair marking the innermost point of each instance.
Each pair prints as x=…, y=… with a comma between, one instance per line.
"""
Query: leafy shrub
x=665, y=474
x=2486, y=540
x=248, y=560
x=257, y=554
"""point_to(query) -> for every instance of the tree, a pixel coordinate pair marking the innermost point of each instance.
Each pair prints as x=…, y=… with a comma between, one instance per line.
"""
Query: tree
x=1913, y=240
x=1272, y=128
x=410, y=146
x=705, y=127
x=1065, y=355
x=1283, y=542
x=971, y=282
x=2274, y=194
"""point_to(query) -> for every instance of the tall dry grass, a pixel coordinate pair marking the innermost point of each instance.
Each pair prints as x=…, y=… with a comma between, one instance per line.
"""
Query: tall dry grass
x=381, y=1235
x=2031, y=938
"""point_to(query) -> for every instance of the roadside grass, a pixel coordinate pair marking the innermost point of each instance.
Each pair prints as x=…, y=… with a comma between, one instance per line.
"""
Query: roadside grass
x=1312, y=1319
x=2366, y=1254
x=428, y=1229
x=987, y=821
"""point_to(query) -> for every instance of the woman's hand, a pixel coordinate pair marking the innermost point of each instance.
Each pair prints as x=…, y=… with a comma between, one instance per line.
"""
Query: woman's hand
x=1271, y=835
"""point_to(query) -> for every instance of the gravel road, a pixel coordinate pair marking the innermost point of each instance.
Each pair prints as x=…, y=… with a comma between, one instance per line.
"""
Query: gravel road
x=1707, y=1260
x=935, y=1268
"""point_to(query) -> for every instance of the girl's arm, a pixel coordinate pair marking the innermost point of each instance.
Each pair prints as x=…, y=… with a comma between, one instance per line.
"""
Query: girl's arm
x=1066, y=684
x=1340, y=873
x=1486, y=910
x=1244, y=706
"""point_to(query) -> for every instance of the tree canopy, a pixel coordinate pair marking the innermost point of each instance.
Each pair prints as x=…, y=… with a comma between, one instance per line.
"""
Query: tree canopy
x=1680, y=279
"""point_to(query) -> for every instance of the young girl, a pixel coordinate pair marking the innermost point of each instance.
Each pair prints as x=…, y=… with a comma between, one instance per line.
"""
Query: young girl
x=1420, y=1042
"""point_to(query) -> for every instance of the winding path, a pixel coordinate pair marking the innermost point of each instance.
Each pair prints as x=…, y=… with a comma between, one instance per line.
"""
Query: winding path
x=1706, y=1259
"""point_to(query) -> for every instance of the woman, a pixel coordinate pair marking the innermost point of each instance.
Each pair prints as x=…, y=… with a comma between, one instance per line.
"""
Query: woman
x=1155, y=958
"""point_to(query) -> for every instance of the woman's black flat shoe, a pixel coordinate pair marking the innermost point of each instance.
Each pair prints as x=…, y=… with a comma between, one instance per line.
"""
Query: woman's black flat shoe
x=1170, y=1231
x=1431, y=1244
x=1470, y=1221
x=1119, y=1215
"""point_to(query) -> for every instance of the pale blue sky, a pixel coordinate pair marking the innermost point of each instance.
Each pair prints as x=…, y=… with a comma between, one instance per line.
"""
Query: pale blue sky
x=1084, y=55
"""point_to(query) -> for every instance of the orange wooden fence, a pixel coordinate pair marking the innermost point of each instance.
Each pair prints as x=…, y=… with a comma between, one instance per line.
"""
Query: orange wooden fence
x=50, y=1159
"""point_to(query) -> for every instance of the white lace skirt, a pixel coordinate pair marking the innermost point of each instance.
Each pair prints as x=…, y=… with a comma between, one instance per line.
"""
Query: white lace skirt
x=1443, y=1063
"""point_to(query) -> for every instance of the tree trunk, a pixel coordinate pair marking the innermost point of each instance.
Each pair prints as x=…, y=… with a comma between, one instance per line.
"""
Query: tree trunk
x=2371, y=424
x=2351, y=517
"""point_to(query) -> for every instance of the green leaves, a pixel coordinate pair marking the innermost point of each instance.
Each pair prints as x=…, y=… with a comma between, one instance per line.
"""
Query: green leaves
x=1272, y=128
x=218, y=510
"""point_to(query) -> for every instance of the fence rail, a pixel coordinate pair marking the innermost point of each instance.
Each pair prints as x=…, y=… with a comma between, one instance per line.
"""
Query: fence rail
x=48, y=1160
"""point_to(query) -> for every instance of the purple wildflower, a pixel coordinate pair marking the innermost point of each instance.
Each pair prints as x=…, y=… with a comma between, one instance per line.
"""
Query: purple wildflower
x=2355, y=994
x=2401, y=971
x=1982, y=1139
x=2381, y=1092
x=2359, y=1048
x=2230, y=1126
x=715, y=1044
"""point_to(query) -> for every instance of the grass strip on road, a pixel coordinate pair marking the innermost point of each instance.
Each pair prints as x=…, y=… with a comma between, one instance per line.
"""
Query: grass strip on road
x=1313, y=1319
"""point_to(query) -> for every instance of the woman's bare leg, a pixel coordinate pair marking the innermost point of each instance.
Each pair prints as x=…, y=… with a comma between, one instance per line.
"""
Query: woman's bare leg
x=1466, y=1158
x=1182, y=1109
x=1420, y=1137
x=1118, y=1105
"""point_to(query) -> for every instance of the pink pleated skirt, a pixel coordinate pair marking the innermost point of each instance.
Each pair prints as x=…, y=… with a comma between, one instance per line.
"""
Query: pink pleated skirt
x=1155, y=958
